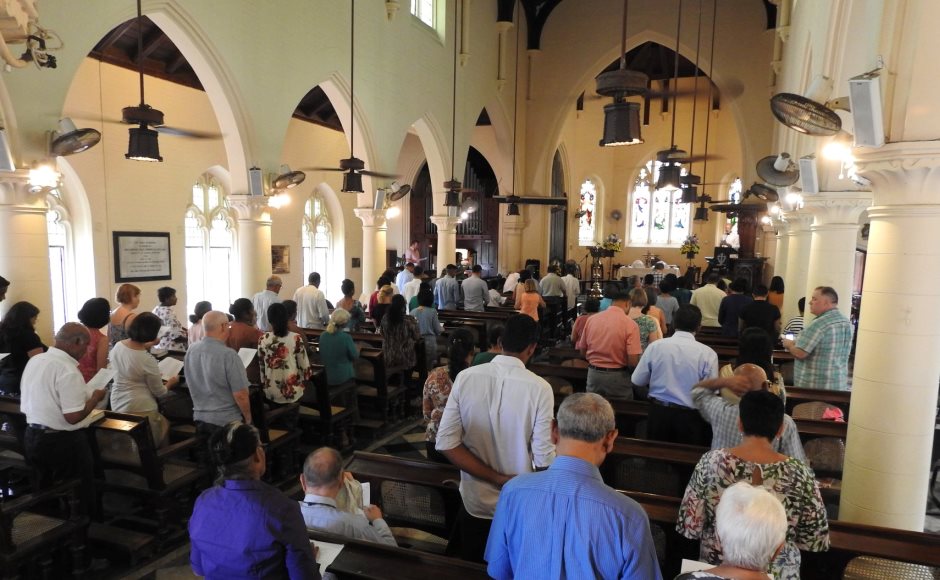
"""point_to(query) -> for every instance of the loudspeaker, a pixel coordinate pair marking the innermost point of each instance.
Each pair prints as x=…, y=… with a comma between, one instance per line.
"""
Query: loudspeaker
x=809, y=181
x=379, y=198
x=255, y=181
x=865, y=99
x=6, y=157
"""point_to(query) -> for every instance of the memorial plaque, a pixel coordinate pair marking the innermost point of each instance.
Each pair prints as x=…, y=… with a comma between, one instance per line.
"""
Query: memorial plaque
x=141, y=256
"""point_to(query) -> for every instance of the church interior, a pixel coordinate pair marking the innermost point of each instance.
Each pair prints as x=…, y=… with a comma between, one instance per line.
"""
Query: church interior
x=208, y=144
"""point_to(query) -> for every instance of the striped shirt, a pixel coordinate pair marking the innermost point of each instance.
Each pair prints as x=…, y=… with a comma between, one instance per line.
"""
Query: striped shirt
x=585, y=528
x=828, y=340
x=795, y=326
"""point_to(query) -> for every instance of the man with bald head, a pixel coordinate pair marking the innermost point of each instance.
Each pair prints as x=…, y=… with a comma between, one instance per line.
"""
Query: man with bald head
x=322, y=480
x=216, y=378
x=265, y=298
x=721, y=410
x=55, y=400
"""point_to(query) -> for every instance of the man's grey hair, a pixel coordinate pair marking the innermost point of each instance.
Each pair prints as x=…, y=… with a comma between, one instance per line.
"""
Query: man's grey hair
x=72, y=332
x=751, y=524
x=323, y=467
x=213, y=320
x=585, y=417
x=273, y=281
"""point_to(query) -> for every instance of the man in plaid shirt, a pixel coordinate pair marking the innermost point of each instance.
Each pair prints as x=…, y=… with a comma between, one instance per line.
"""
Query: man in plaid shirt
x=822, y=349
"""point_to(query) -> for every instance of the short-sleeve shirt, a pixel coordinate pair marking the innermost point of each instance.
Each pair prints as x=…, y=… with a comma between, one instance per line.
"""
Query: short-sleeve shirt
x=338, y=351
x=609, y=337
x=261, y=301
x=669, y=305
x=708, y=298
x=138, y=381
x=284, y=366
x=672, y=366
x=213, y=374
x=761, y=314
x=730, y=310
x=52, y=386
x=828, y=340
x=475, y=294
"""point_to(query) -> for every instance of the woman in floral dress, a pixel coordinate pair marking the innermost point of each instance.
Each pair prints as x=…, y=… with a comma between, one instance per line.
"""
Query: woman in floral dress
x=756, y=461
x=176, y=338
x=649, y=326
x=439, y=383
x=284, y=363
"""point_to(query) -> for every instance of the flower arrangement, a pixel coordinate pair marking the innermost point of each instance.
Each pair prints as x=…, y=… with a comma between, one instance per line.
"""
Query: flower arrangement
x=612, y=243
x=690, y=245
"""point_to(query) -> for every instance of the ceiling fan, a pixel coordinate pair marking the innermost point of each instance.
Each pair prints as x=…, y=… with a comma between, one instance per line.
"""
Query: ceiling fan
x=353, y=168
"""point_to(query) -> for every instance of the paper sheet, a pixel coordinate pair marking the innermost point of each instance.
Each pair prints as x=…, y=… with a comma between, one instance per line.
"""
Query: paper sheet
x=694, y=566
x=247, y=355
x=366, y=494
x=170, y=367
x=328, y=553
x=101, y=379
x=93, y=417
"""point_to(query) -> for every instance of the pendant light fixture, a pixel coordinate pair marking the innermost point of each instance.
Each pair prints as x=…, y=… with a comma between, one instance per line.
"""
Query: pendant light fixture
x=143, y=144
x=670, y=171
x=453, y=186
x=621, y=117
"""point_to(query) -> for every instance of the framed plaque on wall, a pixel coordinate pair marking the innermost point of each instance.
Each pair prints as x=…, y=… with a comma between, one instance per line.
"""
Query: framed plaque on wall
x=141, y=256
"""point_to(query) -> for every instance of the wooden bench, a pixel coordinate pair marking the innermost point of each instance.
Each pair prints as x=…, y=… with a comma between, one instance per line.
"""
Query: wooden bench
x=330, y=419
x=797, y=395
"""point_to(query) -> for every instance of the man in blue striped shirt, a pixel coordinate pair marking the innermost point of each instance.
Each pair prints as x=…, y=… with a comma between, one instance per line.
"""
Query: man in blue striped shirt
x=565, y=522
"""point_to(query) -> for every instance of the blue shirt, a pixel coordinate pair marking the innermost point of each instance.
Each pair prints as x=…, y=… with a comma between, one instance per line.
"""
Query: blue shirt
x=566, y=523
x=447, y=293
x=213, y=374
x=249, y=529
x=673, y=365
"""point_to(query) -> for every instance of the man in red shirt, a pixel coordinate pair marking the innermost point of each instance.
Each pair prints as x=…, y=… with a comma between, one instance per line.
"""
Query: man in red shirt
x=611, y=344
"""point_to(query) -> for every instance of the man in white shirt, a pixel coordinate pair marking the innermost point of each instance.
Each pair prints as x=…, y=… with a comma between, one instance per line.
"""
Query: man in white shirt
x=405, y=276
x=512, y=279
x=411, y=288
x=312, y=311
x=475, y=291
x=497, y=423
x=708, y=299
x=55, y=400
x=551, y=283
x=266, y=298
x=572, y=285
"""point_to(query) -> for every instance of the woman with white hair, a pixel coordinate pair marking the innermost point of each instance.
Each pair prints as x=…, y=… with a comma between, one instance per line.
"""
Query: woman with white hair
x=337, y=350
x=752, y=526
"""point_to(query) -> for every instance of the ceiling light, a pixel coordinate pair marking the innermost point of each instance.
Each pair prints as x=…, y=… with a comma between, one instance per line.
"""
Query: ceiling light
x=670, y=177
x=464, y=215
x=279, y=200
x=143, y=145
x=794, y=201
x=621, y=124
x=352, y=182
x=393, y=212
x=452, y=197
x=766, y=220
x=43, y=178
x=839, y=148
x=512, y=209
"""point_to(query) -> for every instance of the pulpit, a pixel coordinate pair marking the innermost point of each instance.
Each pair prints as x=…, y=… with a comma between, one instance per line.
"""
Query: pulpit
x=740, y=263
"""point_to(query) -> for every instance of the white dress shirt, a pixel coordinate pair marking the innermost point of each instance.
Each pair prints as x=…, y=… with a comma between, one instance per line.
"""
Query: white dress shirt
x=312, y=311
x=410, y=290
x=572, y=289
x=261, y=301
x=402, y=279
x=52, y=386
x=503, y=414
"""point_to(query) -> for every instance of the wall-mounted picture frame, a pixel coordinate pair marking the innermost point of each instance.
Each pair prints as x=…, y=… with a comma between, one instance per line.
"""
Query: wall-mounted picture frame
x=280, y=259
x=141, y=256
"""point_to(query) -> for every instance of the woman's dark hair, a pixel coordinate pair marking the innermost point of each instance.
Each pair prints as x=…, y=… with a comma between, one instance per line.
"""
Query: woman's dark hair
x=494, y=334
x=144, y=328
x=739, y=285
x=667, y=286
x=524, y=275
x=95, y=313
x=756, y=347
x=18, y=319
x=290, y=308
x=347, y=287
x=761, y=414
x=164, y=293
x=592, y=305
x=396, y=310
x=648, y=280
x=383, y=281
x=521, y=331
x=231, y=449
x=241, y=309
x=277, y=317
x=459, y=345
x=203, y=307
x=425, y=297
x=776, y=284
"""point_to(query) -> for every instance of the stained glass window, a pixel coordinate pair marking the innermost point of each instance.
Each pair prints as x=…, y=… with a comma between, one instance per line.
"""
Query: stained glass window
x=657, y=217
x=587, y=226
x=734, y=194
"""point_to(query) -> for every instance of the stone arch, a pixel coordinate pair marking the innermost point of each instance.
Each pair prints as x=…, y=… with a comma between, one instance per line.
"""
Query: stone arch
x=83, y=242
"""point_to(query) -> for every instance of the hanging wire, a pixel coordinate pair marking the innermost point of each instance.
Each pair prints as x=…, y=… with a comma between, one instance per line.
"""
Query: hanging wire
x=140, y=51
x=623, y=37
x=698, y=52
x=675, y=93
x=711, y=87
x=515, y=98
x=453, y=118
x=352, y=77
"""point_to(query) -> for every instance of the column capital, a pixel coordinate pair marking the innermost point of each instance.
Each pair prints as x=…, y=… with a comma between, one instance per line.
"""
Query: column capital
x=903, y=173
x=371, y=218
x=14, y=190
x=837, y=207
x=445, y=223
x=250, y=207
x=798, y=221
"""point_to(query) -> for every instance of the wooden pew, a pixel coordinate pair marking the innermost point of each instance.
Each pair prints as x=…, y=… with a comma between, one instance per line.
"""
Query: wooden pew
x=797, y=395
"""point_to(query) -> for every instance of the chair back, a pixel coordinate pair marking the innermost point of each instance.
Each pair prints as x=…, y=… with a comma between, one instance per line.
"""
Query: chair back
x=124, y=442
x=825, y=454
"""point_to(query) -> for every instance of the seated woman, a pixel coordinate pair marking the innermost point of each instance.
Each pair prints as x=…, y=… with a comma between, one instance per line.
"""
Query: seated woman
x=244, y=334
x=196, y=331
x=284, y=364
x=756, y=461
x=175, y=338
x=356, y=312
x=263, y=529
x=138, y=382
x=18, y=337
x=439, y=383
x=401, y=337
x=337, y=351
x=94, y=315
x=752, y=525
x=650, y=331
x=530, y=301
x=128, y=299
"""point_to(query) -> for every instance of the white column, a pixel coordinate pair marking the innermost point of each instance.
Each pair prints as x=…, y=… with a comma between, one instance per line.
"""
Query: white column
x=798, y=245
x=781, y=249
x=446, y=240
x=374, y=232
x=510, y=244
x=897, y=368
x=832, y=245
x=24, y=250
x=254, y=241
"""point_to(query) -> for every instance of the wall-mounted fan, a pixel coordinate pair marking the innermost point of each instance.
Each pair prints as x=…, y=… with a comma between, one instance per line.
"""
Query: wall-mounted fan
x=287, y=179
x=778, y=170
x=69, y=139
x=397, y=191
x=809, y=114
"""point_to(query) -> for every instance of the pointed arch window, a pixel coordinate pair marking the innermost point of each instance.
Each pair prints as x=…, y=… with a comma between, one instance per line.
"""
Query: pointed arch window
x=587, y=214
x=424, y=10
x=735, y=190
x=209, y=238
x=317, y=240
x=657, y=217
x=61, y=261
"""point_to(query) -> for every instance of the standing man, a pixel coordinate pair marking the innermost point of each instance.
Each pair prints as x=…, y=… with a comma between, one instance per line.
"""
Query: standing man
x=216, y=378
x=413, y=253
x=552, y=284
x=266, y=298
x=572, y=285
x=55, y=400
x=497, y=424
x=761, y=314
x=447, y=290
x=671, y=367
x=475, y=291
x=405, y=276
x=312, y=311
x=822, y=349
x=411, y=288
x=610, y=342
x=583, y=528
x=708, y=299
x=729, y=311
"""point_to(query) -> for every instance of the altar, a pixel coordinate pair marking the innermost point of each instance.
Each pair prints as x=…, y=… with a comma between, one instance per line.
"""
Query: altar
x=627, y=271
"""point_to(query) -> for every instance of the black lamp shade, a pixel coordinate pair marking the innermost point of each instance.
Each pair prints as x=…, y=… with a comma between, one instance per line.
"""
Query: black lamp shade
x=621, y=124
x=352, y=182
x=143, y=145
x=701, y=214
x=689, y=194
x=513, y=209
x=669, y=176
x=452, y=198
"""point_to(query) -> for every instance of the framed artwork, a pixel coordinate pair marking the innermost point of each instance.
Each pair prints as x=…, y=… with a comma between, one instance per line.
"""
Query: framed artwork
x=141, y=256
x=280, y=259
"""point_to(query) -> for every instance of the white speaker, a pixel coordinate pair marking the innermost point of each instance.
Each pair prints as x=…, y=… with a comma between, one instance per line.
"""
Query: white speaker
x=379, y=198
x=255, y=181
x=865, y=99
x=6, y=156
x=809, y=181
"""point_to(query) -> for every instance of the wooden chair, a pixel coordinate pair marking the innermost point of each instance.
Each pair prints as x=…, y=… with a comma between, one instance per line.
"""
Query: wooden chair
x=35, y=544
x=15, y=474
x=331, y=417
x=277, y=426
